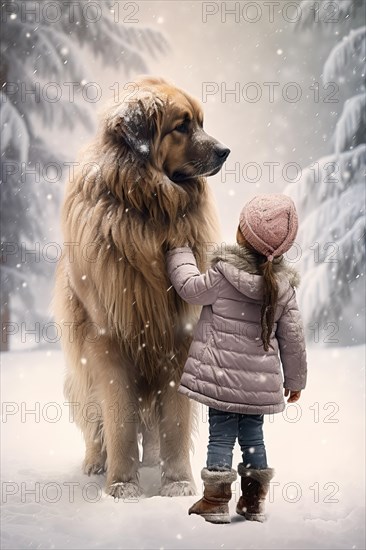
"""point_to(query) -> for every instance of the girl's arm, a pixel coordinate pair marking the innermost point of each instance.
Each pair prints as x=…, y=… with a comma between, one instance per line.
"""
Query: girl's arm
x=191, y=285
x=291, y=341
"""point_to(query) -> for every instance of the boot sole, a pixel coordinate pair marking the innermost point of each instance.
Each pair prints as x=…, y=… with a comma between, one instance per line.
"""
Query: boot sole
x=214, y=518
x=251, y=517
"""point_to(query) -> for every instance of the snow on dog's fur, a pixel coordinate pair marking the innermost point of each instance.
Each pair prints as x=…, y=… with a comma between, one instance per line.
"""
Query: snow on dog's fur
x=140, y=190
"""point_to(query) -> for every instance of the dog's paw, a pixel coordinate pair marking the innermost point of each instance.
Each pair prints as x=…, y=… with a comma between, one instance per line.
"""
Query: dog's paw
x=93, y=468
x=125, y=490
x=178, y=489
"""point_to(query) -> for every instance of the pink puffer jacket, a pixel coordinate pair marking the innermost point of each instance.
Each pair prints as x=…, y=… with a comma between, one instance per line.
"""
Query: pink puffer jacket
x=227, y=367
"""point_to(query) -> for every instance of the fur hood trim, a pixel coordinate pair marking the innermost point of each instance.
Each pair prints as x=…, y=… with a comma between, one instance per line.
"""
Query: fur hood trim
x=245, y=260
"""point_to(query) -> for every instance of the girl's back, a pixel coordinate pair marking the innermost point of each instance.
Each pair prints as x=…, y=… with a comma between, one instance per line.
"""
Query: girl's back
x=227, y=367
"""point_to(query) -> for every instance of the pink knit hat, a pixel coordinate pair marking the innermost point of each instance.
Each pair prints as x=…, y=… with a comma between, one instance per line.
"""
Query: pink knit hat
x=269, y=223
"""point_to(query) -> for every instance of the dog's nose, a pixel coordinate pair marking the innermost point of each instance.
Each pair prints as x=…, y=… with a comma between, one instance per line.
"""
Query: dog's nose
x=222, y=152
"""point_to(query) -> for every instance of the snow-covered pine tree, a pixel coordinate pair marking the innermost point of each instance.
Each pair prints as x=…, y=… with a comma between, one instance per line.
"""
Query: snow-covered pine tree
x=41, y=43
x=327, y=13
x=331, y=200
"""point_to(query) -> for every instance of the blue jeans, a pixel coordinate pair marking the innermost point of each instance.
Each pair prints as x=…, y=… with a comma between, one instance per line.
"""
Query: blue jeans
x=224, y=429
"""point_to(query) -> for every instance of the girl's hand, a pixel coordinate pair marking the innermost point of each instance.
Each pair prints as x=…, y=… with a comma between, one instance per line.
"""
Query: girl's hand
x=294, y=395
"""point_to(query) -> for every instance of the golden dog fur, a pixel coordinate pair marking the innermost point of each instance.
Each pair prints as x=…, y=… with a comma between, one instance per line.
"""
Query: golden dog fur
x=125, y=332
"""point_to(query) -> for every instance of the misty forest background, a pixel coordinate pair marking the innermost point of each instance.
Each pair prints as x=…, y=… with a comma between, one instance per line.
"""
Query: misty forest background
x=323, y=132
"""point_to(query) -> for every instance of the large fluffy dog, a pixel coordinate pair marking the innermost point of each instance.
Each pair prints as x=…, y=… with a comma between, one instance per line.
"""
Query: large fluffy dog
x=140, y=190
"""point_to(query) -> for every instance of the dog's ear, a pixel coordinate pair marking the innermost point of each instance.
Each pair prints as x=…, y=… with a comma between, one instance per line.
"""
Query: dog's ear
x=137, y=121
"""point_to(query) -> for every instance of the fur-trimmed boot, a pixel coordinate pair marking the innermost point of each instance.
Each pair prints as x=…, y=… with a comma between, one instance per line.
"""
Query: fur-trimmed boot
x=214, y=505
x=254, y=486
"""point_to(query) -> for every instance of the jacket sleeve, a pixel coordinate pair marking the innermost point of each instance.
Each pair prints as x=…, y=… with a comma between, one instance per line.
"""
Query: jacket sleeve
x=191, y=285
x=291, y=340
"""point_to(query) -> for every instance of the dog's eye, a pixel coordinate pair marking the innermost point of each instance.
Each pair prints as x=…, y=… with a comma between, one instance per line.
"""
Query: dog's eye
x=181, y=128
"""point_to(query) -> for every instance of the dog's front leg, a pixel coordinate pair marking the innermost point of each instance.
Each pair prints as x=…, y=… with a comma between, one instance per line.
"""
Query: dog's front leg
x=175, y=442
x=120, y=429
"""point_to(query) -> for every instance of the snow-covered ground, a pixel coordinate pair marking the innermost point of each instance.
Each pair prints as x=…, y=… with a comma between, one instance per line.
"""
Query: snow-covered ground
x=316, y=447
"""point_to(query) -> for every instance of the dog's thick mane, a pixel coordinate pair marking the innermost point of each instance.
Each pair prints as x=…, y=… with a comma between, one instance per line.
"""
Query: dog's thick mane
x=124, y=215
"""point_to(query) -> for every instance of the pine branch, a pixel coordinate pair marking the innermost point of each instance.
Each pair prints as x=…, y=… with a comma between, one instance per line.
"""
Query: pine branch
x=329, y=177
x=327, y=14
x=327, y=225
x=40, y=152
x=13, y=130
x=124, y=44
x=351, y=124
x=14, y=273
x=352, y=49
x=321, y=297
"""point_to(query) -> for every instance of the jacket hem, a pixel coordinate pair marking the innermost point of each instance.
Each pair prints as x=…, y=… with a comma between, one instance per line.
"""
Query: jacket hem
x=240, y=408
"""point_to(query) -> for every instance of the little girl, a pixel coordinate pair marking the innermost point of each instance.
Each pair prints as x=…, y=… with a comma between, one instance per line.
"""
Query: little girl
x=250, y=317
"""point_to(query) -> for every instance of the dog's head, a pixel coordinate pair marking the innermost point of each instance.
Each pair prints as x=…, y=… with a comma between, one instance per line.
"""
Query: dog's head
x=163, y=126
